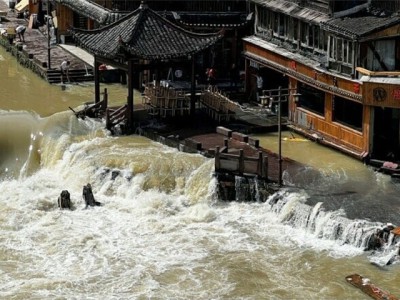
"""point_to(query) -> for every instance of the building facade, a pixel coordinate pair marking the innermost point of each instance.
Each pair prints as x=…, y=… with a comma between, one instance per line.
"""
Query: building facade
x=343, y=57
x=232, y=16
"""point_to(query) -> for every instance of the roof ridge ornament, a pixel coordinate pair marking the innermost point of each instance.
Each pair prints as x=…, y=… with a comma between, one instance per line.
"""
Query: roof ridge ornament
x=143, y=5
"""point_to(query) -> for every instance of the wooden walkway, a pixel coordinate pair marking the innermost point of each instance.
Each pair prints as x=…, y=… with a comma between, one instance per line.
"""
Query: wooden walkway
x=33, y=53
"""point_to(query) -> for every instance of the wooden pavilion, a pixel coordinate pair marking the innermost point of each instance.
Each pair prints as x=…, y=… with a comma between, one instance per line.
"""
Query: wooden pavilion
x=142, y=40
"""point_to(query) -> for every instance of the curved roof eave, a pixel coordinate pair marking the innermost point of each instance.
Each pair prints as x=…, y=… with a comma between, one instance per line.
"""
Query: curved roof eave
x=91, y=10
x=144, y=34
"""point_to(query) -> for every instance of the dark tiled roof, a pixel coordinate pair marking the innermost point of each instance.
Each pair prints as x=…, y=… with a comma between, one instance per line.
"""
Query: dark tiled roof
x=213, y=20
x=143, y=34
x=292, y=8
x=356, y=27
x=92, y=10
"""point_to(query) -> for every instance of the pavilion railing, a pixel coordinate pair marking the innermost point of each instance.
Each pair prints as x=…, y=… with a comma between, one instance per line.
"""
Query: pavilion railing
x=217, y=105
x=165, y=101
x=115, y=117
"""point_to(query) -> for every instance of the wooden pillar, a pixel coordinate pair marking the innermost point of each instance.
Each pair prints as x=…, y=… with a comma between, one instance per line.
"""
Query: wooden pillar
x=234, y=48
x=247, y=77
x=130, y=96
x=241, y=161
x=260, y=164
x=217, y=159
x=104, y=104
x=96, y=80
x=265, y=168
x=367, y=128
x=193, y=89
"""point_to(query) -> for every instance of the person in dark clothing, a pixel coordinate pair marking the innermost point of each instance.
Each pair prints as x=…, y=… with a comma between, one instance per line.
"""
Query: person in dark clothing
x=87, y=195
x=64, y=200
x=211, y=75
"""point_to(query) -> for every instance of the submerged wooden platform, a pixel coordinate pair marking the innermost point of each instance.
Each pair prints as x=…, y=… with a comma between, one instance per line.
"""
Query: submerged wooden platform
x=368, y=288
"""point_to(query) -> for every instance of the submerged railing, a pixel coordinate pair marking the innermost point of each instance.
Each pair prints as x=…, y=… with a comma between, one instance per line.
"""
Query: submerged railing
x=115, y=117
x=240, y=164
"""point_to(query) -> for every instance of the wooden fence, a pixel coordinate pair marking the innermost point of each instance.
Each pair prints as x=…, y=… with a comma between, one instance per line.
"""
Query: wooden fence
x=217, y=105
x=165, y=101
x=240, y=164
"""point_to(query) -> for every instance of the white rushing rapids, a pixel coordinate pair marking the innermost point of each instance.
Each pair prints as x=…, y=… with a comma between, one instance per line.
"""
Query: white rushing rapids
x=160, y=233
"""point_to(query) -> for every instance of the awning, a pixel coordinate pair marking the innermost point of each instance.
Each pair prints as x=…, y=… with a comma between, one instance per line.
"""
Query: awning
x=22, y=5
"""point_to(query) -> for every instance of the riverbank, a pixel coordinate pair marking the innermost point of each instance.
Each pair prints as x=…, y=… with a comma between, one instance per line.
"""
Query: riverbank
x=34, y=53
x=191, y=133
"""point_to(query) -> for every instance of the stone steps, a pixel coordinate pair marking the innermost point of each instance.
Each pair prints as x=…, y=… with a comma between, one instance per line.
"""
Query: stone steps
x=76, y=75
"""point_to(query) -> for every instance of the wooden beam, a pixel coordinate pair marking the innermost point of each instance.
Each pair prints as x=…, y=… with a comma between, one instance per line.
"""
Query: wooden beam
x=193, y=88
x=137, y=65
x=130, y=97
x=377, y=73
x=96, y=80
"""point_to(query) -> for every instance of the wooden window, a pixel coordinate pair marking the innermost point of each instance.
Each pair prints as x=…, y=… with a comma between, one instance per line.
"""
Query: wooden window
x=341, y=53
x=295, y=29
x=304, y=33
x=265, y=20
x=381, y=55
x=339, y=50
x=311, y=99
x=310, y=38
x=281, y=25
x=322, y=41
x=316, y=37
x=348, y=113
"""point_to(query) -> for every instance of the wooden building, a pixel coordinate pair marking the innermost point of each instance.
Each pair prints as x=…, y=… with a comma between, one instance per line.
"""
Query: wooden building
x=142, y=40
x=233, y=16
x=343, y=57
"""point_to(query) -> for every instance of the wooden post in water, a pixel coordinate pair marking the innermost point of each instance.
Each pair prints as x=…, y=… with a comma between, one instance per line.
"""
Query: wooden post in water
x=108, y=122
x=280, y=136
x=265, y=167
x=96, y=80
x=260, y=164
x=217, y=159
x=105, y=100
x=129, y=116
x=241, y=162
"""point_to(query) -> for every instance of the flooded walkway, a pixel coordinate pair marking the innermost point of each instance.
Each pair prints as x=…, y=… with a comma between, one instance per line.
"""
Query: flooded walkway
x=34, y=54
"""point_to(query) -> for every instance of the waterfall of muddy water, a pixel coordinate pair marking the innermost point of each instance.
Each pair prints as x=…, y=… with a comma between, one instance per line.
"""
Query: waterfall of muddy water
x=161, y=233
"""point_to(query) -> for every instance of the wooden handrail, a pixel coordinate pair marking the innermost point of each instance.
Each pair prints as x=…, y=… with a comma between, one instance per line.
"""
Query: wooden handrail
x=238, y=163
x=115, y=117
x=377, y=73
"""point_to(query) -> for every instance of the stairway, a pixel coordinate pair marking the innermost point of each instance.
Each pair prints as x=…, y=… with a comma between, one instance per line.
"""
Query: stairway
x=75, y=75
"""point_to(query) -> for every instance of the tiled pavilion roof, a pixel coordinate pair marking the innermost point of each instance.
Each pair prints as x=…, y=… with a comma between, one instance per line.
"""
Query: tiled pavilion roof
x=143, y=34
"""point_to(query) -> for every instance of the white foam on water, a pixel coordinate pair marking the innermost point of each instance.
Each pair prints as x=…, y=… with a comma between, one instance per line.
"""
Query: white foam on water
x=160, y=232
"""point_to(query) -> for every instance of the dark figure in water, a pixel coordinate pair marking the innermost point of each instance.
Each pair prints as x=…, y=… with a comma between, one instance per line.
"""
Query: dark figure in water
x=375, y=242
x=87, y=195
x=384, y=233
x=379, y=238
x=64, y=200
